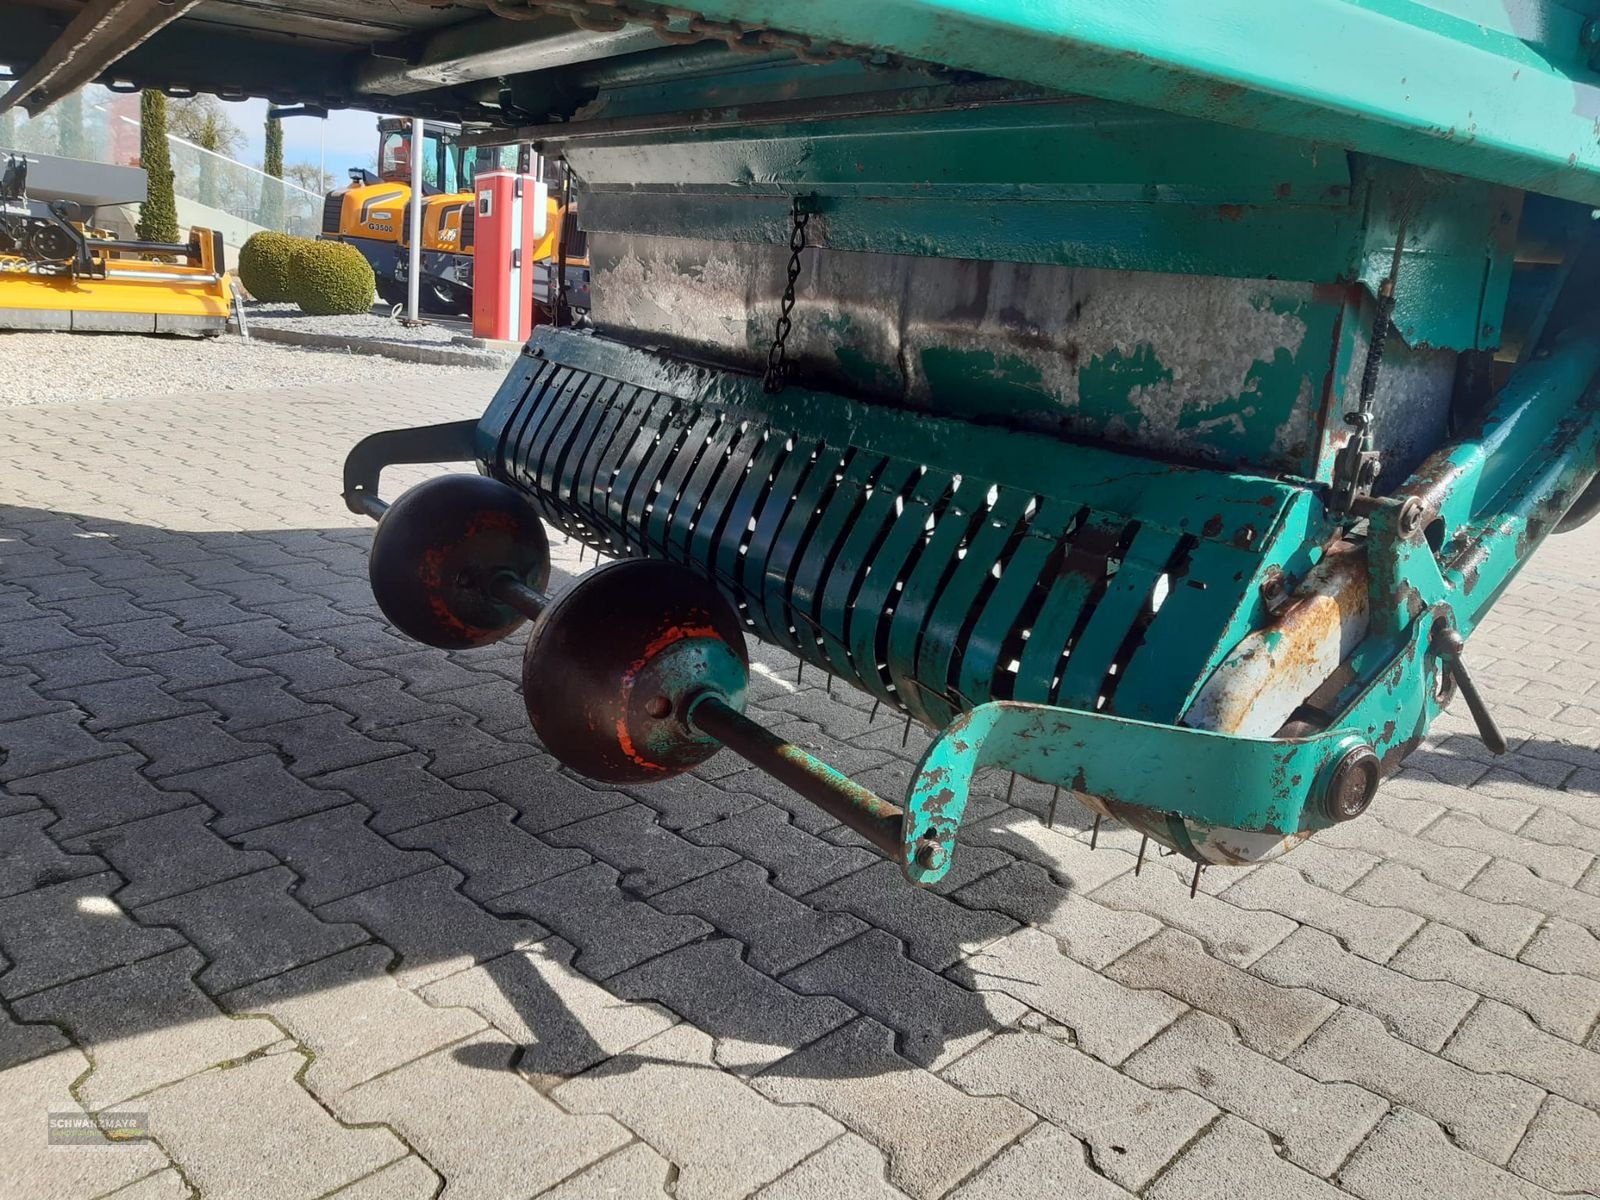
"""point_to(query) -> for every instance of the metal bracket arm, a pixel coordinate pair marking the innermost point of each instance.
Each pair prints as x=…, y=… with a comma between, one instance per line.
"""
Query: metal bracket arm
x=450, y=442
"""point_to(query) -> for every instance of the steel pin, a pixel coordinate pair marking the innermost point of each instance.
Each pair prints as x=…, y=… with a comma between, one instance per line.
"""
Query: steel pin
x=830, y=684
x=874, y=714
x=800, y=672
x=1139, y=866
x=1194, y=883
x=1094, y=832
x=906, y=735
x=1011, y=787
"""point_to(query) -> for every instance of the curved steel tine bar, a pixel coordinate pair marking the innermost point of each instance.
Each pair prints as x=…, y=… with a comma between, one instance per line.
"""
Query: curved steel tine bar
x=1448, y=644
x=862, y=810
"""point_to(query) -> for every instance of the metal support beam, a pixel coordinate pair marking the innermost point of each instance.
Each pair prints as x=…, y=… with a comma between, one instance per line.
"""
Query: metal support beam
x=101, y=33
x=492, y=48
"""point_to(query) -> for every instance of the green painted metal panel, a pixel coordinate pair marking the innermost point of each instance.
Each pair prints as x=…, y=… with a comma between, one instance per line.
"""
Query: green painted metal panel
x=1381, y=76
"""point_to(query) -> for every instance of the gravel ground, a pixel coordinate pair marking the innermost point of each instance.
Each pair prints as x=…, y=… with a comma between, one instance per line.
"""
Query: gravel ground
x=376, y=325
x=57, y=368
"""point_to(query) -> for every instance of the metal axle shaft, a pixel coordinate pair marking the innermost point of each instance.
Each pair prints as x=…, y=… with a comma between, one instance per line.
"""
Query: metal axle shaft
x=861, y=809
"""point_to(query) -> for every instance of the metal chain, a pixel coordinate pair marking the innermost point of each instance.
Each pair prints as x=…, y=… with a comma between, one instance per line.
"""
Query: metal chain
x=777, y=373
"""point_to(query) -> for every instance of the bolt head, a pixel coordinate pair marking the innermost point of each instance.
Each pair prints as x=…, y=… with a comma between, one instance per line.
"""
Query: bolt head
x=1352, y=785
x=931, y=854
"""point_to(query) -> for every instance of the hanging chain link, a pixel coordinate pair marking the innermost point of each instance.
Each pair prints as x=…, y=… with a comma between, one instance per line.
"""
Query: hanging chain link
x=777, y=373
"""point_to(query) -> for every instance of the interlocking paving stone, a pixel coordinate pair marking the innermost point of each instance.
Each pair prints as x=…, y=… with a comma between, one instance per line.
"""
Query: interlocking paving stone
x=493, y=854
x=1562, y=863
x=612, y=930
x=564, y=1023
x=1235, y=935
x=320, y=743
x=1236, y=1161
x=402, y=792
x=21, y=1042
x=651, y=859
x=456, y=746
x=545, y=799
x=407, y=1179
x=1132, y=1130
x=1408, y=1157
x=145, y=1025
x=1372, y=932
x=353, y=1016
x=687, y=1115
x=1509, y=884
x=31, y=1168
x=335, y=854
x=1046, y=1161
x=936, y=1019
x=1319, y=1123
x=252, y=1131
x=936, y=930
x=846, y=1166
x=778, y=931
x=162, y=1185
x=1567, y=1005
x=66, y=931
x=1071, y=861
x=250, y=928
x=799, y=861
x=1271, y=1019
x=1422, y=1012
x=48, y=742
x=1502, y=927
x=1090, y=932
x=32, y=859
x=180, y=745
x=754, y=1019
x=933, y=1133
x=141, y=851
x=1562, y=1149
x=1498, y=1038
x=436, y=929
x=634, y=1171
x=1563, y=948
x=251, y=793
x=1484, y=1112
x=1109, y=1020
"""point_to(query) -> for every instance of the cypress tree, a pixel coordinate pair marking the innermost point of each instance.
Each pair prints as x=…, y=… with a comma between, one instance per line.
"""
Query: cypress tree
x=158, y=215
x=271, y=215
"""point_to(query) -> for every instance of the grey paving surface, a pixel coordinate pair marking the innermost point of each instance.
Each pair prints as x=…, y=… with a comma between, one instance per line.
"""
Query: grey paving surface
x=316, y=901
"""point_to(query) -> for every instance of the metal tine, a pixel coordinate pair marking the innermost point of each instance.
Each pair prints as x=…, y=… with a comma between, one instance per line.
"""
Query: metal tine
x=906, y=735
x=1139, y=866
x=830, y=683
x=1050, y=821
x=873, y=716
x=1011, y=787
x=1194, y=884
x=800, y=672
x=1094, y=832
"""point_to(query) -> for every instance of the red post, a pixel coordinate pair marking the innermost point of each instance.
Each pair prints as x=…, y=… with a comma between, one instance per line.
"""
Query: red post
x=508, y=222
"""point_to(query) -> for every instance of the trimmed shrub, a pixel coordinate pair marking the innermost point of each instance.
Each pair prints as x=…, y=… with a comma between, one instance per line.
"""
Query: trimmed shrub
x=330, y=279
x=158, y=215
x=266, y=265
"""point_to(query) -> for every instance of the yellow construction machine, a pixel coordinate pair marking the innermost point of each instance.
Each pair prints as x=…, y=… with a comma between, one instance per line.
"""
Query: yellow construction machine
x=58, y=273
x=373, y=214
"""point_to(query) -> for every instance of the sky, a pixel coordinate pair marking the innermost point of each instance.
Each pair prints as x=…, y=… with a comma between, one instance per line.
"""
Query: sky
x=349, y=138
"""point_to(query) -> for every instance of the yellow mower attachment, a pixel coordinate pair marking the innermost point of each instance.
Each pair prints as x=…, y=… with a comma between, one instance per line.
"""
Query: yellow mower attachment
x=58, y=278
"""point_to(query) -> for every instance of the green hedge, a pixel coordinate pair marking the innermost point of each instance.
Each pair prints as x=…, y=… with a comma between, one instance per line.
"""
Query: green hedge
x=265, y=265
x=330, y=279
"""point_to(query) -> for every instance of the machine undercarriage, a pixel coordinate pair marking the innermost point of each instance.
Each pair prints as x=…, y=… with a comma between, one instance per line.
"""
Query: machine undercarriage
x=1149, y=400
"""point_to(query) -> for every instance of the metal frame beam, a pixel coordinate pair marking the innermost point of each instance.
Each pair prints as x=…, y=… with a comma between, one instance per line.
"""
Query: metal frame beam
x=101, y=33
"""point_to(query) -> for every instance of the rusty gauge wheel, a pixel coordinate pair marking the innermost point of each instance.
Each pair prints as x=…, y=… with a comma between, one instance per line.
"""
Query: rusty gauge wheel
x=612, y=665
x=438, y=548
